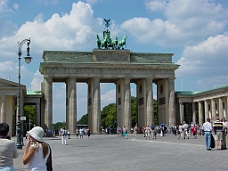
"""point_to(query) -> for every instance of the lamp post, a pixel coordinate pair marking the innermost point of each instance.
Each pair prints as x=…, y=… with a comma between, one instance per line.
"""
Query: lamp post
x=28, y=59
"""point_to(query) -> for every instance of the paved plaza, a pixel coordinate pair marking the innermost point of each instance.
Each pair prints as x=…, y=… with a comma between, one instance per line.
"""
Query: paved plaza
x=112, y=153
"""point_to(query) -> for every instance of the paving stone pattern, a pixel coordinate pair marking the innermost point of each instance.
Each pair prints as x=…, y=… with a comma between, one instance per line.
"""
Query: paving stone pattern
x=112, y=153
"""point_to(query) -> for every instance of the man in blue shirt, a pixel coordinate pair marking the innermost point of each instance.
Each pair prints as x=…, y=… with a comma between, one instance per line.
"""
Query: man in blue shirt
x=207, y=128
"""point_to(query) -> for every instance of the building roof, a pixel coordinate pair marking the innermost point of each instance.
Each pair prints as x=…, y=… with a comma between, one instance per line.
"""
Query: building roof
x=34, y=93
x=189, y=93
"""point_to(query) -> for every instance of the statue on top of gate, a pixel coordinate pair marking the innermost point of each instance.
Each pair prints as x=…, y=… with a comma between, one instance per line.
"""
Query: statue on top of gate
x=107, y=42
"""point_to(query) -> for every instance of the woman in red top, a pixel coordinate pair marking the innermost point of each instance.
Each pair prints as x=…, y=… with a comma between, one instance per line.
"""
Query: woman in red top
x=194, y=131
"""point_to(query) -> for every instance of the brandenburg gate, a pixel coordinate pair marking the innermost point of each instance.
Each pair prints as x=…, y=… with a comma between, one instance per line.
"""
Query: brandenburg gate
x=110, y=63
x=121, y=67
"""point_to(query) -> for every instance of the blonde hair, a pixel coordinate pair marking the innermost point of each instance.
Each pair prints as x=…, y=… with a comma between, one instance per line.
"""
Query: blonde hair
x=45, y=147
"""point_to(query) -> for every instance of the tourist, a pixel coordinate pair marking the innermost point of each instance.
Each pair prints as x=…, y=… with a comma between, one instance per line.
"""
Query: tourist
x=194, y=131
x=125, y=132
x=207, y=128
x=68, y=134
x=223, y=147
x=64, y=135
x=136, y=130
x=186, y=130
x=36, y=150
x=119, y=132
x=147, y=132
x=88, y=132
x=218, y=129
x=153, y=132
x=180, y=132
x=81, y=133
x=77, y=132
x=8, y=149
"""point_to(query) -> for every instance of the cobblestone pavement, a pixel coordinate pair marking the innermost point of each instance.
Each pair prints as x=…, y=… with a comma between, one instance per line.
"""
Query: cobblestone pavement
x=112, y=153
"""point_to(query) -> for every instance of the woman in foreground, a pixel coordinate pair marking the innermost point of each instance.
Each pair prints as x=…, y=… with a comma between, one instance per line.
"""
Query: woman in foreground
x=36, y=150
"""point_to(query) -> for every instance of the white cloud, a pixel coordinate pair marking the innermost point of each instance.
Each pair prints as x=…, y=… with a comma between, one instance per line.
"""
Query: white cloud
x=108, y=97
x=206, y=60
x=47, y=2
x=16, y=6
x=156, y=5
x=75, y=30
x=36, y=82
x=3, y=6
x=92, y=1
x=214, y=82
x=185, y=23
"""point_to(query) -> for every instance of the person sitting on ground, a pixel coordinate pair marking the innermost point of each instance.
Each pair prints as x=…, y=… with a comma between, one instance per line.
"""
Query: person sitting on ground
x=8, y=149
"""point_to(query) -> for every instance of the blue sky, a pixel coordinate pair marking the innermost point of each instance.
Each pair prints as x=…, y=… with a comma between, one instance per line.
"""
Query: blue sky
x=195, y=31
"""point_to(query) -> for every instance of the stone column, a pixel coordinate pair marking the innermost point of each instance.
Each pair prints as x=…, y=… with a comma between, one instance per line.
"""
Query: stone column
x=172, y=112
x=71, y=104
x=227, y=108
x=149, y=100
x=48, y=102
x=213, y=110
x=181, y=112
x=3, y=108
x=96, y=106
x=206, y=109
x=220, y=106
x=200, y=113
x=127, y=104
x=38, y=117
x=193, y=112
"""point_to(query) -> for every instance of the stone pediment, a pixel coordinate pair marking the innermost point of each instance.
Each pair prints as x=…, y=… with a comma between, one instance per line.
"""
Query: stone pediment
x=7, y=83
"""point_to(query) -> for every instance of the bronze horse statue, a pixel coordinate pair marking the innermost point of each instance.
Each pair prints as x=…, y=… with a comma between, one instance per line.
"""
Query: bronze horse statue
x=122, y=43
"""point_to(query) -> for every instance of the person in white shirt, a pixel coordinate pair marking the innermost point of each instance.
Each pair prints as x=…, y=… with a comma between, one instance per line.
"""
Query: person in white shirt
x=186, y=133
x=64, y=135
x=8, y=149
x=207, y=128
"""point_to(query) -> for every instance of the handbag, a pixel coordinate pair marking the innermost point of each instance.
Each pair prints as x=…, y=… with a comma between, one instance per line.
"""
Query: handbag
x=212, y=142
x=49, y=161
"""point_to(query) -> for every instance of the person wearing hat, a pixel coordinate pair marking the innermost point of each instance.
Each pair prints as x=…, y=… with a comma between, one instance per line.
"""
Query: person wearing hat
x=8, y=149
x=36, y=150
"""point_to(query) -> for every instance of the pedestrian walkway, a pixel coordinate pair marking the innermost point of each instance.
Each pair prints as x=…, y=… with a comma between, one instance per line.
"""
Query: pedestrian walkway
x=112, y=153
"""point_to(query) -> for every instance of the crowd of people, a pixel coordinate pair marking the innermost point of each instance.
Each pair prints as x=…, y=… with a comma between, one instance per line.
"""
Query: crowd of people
x=215, y=132
x=37, y=152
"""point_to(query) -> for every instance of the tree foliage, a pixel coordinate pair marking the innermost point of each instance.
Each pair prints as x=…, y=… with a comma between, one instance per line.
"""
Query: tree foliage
x=108, y=114
x=58, y=125
x=83, y=120
x=30, y=113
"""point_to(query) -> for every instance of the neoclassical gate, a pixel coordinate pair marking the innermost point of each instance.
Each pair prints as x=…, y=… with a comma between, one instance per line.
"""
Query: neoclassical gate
x=121, y=67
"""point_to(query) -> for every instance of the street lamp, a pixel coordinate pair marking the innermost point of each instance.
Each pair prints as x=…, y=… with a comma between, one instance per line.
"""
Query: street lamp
x=28, y=59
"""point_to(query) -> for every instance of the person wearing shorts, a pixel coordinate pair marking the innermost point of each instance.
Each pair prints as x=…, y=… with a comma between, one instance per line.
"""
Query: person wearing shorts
x=218, y=133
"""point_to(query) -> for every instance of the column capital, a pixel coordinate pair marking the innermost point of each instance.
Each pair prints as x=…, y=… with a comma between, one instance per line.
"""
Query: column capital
x=48, y=78
x=126, y=80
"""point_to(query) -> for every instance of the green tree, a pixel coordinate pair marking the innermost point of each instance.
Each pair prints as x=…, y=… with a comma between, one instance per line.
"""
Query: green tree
x=83, y=120
x=155, y=104
x=108, y=115
x=30, y=113
x=134, y=111
x=58, y=125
